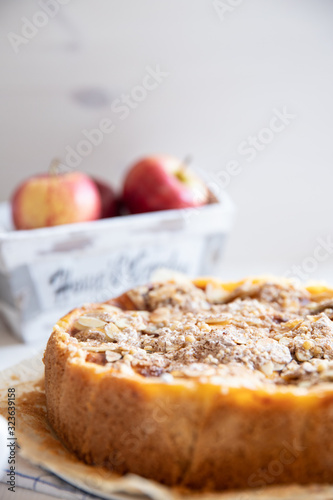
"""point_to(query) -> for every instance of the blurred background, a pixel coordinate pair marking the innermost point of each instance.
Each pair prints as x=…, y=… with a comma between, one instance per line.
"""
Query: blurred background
x=226, y=68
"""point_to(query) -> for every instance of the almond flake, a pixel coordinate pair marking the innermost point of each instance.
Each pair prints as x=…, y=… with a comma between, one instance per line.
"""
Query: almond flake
x=308, y=367
x=90, y=321
x=204, y=327
x=267, y=368
x=140, y=326
x=111, y=309
x=128, y=358
x=303, y=355
x=277, y=367
x=122, y=323
x=112, y=356
x=160, y=315
x=217, y=321
x=240, y=340
x=110, y=330
x=94, y=348
x=215, y=294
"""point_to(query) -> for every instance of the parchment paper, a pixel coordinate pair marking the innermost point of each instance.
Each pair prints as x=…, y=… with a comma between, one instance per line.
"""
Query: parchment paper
x=40, y=446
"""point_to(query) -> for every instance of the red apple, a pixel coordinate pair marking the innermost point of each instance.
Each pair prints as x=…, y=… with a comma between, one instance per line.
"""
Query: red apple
x=108, y=198
x=54, y=199
x=162, y=183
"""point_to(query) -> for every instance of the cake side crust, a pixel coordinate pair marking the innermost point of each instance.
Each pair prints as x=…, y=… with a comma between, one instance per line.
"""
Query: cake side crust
x=193, y=432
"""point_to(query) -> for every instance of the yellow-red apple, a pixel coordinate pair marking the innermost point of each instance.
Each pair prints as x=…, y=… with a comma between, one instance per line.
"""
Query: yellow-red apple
x=162, y=183
x=54, y=199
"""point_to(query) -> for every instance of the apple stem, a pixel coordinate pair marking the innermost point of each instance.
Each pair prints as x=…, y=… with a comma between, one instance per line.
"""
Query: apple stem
x=181, y=172
x=186, y=162
x=54, y=167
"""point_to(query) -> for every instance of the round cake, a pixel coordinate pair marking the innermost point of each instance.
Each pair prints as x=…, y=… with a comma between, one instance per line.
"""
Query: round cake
x=202, y=384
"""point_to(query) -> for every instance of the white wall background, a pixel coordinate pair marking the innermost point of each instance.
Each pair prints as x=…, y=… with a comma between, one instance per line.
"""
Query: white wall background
x=225, y=78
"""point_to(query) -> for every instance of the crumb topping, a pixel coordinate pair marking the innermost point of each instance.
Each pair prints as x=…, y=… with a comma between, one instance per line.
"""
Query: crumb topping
x=273, y=331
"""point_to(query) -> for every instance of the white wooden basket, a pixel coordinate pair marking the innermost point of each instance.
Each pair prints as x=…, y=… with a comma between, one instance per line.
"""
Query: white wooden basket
x=46, y=272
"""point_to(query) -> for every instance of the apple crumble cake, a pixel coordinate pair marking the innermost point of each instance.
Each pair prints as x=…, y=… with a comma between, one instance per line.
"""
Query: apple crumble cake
x=200, y=384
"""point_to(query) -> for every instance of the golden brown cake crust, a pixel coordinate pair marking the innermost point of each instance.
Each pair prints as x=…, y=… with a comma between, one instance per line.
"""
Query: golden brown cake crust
x=232, y=427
